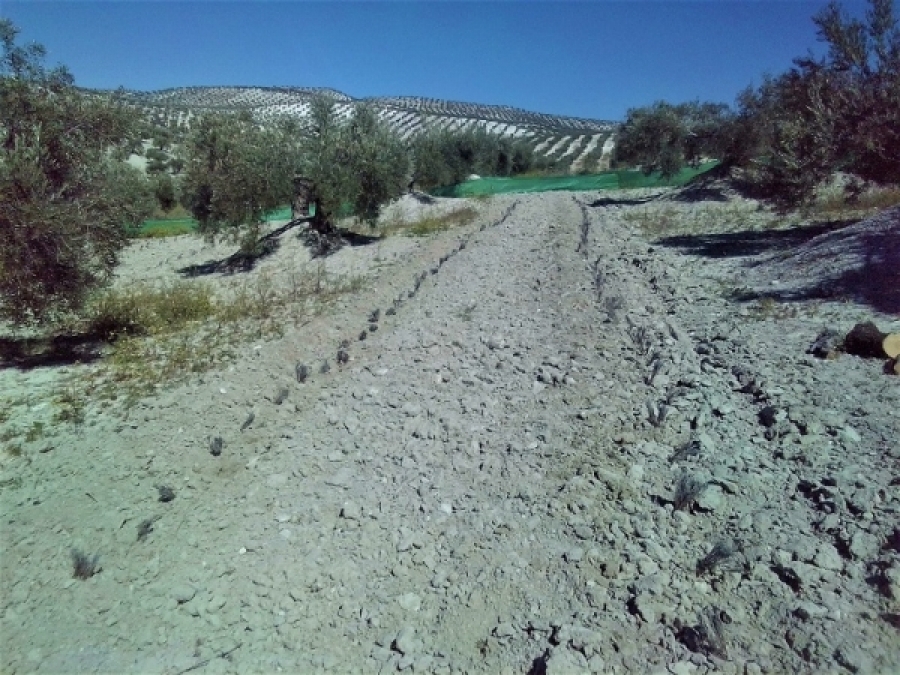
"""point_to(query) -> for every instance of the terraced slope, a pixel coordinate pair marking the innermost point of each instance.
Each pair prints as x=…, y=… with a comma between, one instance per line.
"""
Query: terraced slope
x=566, y=138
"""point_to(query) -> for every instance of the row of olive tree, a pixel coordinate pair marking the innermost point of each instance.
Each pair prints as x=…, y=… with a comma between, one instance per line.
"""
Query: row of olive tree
x=237, y=169
x=836, y=113
x=67, y=195
x=443, y=157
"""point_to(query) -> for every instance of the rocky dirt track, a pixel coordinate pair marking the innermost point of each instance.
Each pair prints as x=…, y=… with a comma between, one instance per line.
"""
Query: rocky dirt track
x=563, y=450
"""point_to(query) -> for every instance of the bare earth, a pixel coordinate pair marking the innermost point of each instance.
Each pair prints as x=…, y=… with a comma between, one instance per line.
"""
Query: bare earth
x=490, y=484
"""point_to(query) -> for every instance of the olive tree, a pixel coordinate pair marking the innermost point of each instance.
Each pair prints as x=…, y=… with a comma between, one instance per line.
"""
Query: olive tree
x=235, y=171
x=65, y=198
x=355, y=165
x=840, y=112
x=666, y=137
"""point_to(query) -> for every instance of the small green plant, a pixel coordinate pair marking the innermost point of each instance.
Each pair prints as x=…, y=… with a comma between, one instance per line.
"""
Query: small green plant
x=70, y=407
x=769, y=308
x=13, y=449
x=35, y=432
x=467, y=312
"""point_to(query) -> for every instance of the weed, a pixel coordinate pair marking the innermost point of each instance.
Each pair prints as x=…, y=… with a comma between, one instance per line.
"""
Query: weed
x=692, y=448
x=656, y=412
x=165, y=335
x=838, y=204
x=769, y=308
x=612, y=305
x=143, y=309
x=467, y=312
x=281, y=396
x=35, y=432
x=160, y=229
x=13, y=449
x=70, y=407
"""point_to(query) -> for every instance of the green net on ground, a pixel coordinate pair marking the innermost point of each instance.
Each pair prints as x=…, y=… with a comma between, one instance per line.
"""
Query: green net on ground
x=610, y=180
x=169, y=227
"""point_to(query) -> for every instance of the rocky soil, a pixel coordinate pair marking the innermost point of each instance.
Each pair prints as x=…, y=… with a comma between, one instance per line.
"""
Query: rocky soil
x=561, y=448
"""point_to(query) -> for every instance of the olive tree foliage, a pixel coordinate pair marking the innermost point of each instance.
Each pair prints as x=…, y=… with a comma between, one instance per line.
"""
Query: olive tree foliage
x=65, y=195
x=235, y=171
x=666, y=137
x=840, y=112
x=359, y=163
x=837, y=113
x=441, y=157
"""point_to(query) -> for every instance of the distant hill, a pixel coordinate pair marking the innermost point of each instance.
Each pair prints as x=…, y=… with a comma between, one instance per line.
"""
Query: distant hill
x=576, y=143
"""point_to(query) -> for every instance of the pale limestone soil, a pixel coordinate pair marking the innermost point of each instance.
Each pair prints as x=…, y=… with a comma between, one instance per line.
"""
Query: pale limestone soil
x=480, y=488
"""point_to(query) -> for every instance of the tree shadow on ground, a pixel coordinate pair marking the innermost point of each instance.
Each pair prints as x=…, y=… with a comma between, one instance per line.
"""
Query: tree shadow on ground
x=875, y=282
x=692, y=194
x=59, y=350
x=612, y=201
x=242, y=261
x=322, y=245
x=749, y=242
x=422, y=197
x=858, y=264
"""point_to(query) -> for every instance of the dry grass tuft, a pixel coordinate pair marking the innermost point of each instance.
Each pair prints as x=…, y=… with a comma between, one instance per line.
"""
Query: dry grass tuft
x=430, y=224
x=162, y=336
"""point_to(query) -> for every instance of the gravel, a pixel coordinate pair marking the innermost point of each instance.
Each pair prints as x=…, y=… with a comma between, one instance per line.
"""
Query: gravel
x=485, y=484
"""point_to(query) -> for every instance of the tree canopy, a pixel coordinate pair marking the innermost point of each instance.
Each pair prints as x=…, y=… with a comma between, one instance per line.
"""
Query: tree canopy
x=65, y=197
x=840, y=112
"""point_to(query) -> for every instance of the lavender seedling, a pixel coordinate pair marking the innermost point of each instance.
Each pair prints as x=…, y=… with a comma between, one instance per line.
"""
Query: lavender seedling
x=84, y=567
x=166, y=494
x=656, y=365
x=708, y=636
x=687, y=489
x=656, y=412
x=718, y=554
x=281, y=396
x=145, y=527
x=690, y=449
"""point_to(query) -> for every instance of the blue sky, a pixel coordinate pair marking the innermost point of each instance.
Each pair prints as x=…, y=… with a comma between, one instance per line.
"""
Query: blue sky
x=587, y=59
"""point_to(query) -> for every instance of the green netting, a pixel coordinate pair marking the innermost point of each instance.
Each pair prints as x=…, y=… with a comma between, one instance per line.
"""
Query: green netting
x=150, y=228
x=610, y=180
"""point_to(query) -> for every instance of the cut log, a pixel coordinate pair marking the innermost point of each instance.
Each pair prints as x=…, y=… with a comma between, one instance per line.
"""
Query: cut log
x=865, y=340
x=892, y=366
x=891, y=345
